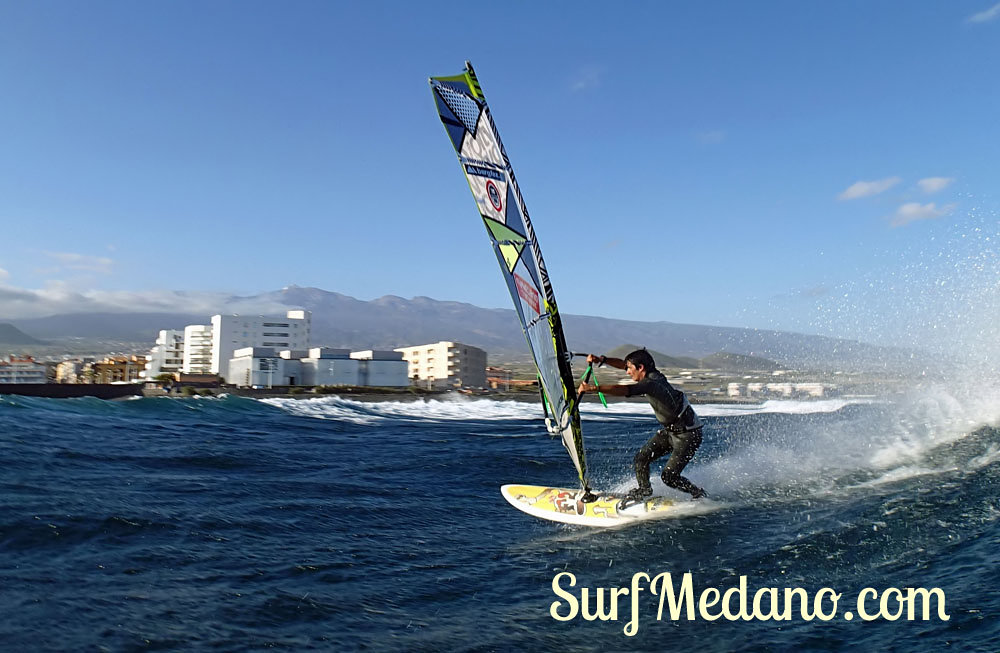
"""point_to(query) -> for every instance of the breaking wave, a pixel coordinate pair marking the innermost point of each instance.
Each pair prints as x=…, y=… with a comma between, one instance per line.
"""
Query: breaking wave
x=457, y=409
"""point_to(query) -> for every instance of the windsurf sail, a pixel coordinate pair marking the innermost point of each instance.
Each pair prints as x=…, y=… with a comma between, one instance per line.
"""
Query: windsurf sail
x=467, y=120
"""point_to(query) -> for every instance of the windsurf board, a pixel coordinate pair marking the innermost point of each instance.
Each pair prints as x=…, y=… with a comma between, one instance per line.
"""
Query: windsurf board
x=567, y=506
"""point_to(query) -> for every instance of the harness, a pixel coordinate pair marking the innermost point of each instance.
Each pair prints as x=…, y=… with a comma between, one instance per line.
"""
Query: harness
x=684, y=421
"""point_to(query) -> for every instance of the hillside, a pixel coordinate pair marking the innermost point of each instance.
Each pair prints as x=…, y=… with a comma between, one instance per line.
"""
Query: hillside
x=719, y=361
x=663, y=361
x=11, y=335
x=728, y=362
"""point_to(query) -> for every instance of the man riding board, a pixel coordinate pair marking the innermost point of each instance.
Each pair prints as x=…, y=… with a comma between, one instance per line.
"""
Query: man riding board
x=680, y=431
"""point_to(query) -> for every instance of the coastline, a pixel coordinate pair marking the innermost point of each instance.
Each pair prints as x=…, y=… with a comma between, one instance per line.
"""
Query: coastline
x=358, y=393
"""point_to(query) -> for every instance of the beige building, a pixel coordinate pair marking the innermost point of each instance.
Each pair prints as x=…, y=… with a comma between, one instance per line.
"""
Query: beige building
x=446, y=364
x=71, y=371
x=116, y=369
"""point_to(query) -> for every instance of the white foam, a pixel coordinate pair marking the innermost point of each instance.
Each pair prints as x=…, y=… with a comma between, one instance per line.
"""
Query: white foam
x=775, y=406
x=990, y=456
x=909, y=437
x=930, y=417
x=903, y=473
x=332, y=408
x=461, y=408
x=373, y=412
x=782, y=406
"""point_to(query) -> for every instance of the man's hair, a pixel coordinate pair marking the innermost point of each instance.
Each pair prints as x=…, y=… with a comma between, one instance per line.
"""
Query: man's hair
x=641, y=357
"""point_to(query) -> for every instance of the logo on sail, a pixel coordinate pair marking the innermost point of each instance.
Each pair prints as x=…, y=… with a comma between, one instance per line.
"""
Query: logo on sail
x=527, y=292
x=494, y=194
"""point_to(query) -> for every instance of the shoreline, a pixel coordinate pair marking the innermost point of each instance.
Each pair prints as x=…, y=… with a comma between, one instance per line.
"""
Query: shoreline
x=363, y=394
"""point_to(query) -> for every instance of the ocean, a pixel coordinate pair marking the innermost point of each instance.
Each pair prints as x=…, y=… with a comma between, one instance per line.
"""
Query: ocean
x=328, y=524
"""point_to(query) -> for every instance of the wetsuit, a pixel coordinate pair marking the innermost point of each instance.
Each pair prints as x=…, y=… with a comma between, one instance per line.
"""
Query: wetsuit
x=679, y=435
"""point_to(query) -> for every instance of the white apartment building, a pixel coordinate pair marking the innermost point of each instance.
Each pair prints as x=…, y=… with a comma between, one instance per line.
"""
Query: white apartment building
x=167, y=355
x=763, y=390
x=264, y=367
x=197, y=357
x=446, y=364
x=22, y=370
x=382, y=369
x=328, y=366
x=260, y=367
x=232, y=332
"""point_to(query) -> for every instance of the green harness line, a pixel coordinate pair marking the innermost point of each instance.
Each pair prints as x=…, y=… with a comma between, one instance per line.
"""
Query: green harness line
x=586, y=378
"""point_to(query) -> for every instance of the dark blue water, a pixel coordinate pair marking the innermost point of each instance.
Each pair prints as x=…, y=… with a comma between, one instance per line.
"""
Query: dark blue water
x=236, y=524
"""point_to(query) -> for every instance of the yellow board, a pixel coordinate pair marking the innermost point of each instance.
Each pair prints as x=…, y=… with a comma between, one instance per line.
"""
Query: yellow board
x=567, y=506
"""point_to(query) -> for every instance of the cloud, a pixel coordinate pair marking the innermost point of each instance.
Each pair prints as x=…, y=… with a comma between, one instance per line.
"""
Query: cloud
x=813, y=292
x=713, y=137
x=934, y=184
x=82, y=262
x=4, y=274
x=60, y=298
x=985, y=16
x=803, y=294
x=913, y=211
x=868, y=188
x=587, y=78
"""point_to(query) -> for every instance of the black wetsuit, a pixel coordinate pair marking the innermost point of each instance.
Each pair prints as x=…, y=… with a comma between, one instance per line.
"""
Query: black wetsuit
x=679, y=435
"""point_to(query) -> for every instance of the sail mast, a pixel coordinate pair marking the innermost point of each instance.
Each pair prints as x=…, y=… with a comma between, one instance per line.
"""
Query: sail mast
x=462, y=107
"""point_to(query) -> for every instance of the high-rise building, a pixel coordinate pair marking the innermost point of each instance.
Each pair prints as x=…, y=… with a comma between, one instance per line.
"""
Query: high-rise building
x=197, y=349
x=167, y=355
x=232, y=332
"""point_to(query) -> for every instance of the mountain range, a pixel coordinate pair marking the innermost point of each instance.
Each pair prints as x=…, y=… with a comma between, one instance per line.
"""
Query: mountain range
x=389, y=322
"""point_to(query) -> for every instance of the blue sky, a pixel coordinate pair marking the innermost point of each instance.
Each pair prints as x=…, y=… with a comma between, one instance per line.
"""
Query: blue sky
x=818, y=167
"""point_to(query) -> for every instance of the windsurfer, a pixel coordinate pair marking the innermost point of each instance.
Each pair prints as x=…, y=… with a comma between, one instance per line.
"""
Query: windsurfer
x=680, y=431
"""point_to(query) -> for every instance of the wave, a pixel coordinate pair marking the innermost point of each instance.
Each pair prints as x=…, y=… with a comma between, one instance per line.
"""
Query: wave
x=132, y=406
x=930, y=430
x=461, y=408
x=375, y=412
x=816, y=445
x=782, y=406
x=362, y=412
